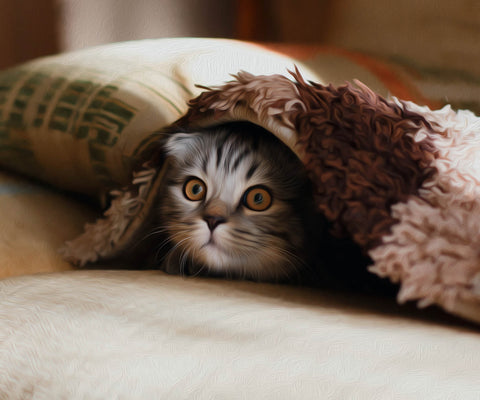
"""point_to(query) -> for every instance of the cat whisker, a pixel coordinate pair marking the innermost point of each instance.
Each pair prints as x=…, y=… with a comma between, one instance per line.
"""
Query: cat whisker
x=296, y=264
x=181, y=263
x=170, y=253
x=202, y=267
x=184, y=261
x=254, y=243
x=165, y=243
x=159, y=259
x=153, y=233
x=200, y=270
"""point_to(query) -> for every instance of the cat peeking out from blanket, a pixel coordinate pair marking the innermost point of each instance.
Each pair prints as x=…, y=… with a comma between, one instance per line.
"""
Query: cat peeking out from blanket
x=235, y=205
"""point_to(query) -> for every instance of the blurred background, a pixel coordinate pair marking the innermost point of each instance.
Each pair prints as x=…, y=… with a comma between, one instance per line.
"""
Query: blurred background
x=431, y=32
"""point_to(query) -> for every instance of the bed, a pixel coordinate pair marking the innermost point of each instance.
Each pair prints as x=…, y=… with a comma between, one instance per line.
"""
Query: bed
x=72, y=332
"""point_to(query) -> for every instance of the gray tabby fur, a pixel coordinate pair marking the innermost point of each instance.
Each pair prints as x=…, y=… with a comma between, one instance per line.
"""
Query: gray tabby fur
x=259, y=245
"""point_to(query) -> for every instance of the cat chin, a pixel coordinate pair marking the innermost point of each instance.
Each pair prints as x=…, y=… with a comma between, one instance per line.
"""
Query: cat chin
x=249, y=266
x=216, y=259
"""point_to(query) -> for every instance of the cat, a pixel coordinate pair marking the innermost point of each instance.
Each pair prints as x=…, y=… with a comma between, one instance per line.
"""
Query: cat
x=235, y=204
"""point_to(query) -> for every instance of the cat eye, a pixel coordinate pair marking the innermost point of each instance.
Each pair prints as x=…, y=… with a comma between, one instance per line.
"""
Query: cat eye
x=194, y=189
x=257, y=198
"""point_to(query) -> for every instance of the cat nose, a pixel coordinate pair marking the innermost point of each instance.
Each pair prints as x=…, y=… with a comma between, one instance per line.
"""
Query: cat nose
x=213, y=221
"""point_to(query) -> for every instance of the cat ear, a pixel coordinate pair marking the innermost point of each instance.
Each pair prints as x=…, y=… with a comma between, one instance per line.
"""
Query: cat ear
x=179, y=144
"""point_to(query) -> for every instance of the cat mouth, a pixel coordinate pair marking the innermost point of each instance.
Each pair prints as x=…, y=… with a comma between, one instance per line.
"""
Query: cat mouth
x=213, y=244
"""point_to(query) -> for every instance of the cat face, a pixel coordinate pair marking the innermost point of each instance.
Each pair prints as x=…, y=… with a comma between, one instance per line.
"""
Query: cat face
x=233, y=203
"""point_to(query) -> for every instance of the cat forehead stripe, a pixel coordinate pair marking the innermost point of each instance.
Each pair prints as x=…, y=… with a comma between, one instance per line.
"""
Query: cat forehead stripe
x=205, y=163
x=220, y=153
x=240, y=158
x=252, y=170
x=232, y=152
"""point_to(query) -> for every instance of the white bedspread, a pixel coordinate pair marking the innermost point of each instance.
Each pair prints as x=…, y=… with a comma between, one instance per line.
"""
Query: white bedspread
x=147, y=335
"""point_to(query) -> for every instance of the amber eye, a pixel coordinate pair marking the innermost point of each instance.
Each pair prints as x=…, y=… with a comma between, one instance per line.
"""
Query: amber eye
x=194, y=189
x=257, y=198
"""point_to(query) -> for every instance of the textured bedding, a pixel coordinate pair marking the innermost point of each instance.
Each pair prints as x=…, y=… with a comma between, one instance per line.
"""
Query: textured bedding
x=34, y=222
x=145, y=335
x=89, y=122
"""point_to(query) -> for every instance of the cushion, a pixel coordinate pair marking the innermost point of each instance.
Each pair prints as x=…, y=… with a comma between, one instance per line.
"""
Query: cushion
x=145, y=335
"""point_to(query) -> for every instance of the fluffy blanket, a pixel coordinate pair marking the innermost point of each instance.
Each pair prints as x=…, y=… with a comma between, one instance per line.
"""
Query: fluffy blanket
x=399, y=179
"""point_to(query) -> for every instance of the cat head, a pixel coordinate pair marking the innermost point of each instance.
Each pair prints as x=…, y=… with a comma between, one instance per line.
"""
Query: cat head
x=234, y=202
